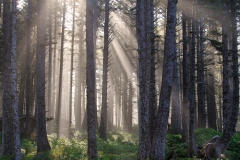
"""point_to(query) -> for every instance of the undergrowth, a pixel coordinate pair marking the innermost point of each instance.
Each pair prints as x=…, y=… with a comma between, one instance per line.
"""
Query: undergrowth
x=118, y=146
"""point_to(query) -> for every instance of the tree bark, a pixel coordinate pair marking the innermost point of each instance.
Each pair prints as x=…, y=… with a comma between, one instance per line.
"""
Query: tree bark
x=159, y=136
x=200, y=80
x=192, y=150
x=91, y=81
x=176, y=115
x=185, y=110
x=104, y=110
x=10, y=120
x=42, y=141
x=144, y=57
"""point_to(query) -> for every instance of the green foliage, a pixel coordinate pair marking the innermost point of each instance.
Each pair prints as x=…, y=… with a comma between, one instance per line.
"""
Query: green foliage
x=119, y=145
x=202, y=135
x=234, y=146
x=175, y=149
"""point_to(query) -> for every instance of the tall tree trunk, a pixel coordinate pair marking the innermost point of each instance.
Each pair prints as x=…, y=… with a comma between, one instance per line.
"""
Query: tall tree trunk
x=235, y=67
x=42, y=141
x=49, y=91
x=7, y=104
x=27, y=131
x=71, y=70
x=91, y=81
x=59, y=104
x=200, y=80
x=192, y=150
x=13, y=81
x=104, y=115
x=185, y=104
x=176, y=115
x=144, y=58
x=10, y=121
x=159, y=136
x=153, y=96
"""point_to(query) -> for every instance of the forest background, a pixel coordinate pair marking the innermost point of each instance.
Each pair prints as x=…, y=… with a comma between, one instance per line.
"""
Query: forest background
x=100, y=66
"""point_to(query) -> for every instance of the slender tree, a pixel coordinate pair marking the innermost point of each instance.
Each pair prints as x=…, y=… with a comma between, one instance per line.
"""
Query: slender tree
x=91, y=81
x=176, y=116
x=28, y=69
x=159, y=136
x=185, y=80
x=71, y=69
x=144, y=57
x=192, y=150
x=61, y=71
x=104, y=115
x=10, y=121
x=200, y=79
x=42, y=141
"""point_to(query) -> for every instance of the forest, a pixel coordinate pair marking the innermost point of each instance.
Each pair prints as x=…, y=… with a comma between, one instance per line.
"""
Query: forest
x=119, y=79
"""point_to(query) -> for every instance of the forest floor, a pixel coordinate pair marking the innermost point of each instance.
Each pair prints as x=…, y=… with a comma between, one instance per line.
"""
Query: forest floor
x=118, y=146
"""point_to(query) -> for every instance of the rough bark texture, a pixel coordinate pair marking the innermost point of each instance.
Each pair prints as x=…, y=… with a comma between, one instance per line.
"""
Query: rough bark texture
x=192, y=102
x=7, y=103
x=42, y=141
x=10, y=121
x=104, y=115
x=91, y=82
x=159, y=136
x=200, y=80
x=144, y=58
x=153, y=96
x=235, y=67
x=185, y=77
x=16, y=133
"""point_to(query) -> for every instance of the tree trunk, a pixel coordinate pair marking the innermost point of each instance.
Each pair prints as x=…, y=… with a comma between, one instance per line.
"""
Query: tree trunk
x=71, y=70
x=176, y=115
x=235, y=67
x=91, y=81
x=144, y=56
x=152, y=96
x=159, y=136
x=49, y=81
x=192, y=150
x=10, y=120
x=27, y=131
x=185, y=104
x=130, y=106
x=104, y=109
x=42, y=141
x=200, y=80
x=59, y=104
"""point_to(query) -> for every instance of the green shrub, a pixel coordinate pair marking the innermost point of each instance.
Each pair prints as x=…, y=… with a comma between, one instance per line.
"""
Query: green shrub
x=175, y=149
x=202, y=135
